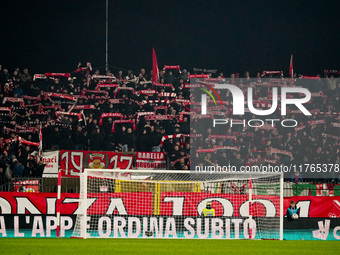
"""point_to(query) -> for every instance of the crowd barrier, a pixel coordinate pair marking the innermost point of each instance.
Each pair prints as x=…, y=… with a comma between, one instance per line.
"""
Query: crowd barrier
x=71, y=185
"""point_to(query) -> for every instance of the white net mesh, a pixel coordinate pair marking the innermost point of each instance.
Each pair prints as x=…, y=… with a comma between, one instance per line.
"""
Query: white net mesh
x=164, y=204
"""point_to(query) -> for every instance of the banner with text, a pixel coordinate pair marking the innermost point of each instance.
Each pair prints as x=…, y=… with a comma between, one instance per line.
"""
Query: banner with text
x=121, y=215
x=51, y=159
x=73, y=162
x=171, y=203
x=150, y=160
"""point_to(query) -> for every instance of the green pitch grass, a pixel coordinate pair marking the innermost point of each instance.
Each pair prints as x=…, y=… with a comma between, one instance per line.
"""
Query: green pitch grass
x=34, y=246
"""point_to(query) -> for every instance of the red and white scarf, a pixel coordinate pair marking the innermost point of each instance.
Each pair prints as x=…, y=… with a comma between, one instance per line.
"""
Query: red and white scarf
x=177, y=160
x=164, y=85
x=271, y=72
x=123, y=121
x=68, y=75
x=167, y=94
x=155, y=101
x=193, y=86
x=196, y=76
x=213, y=150
x=7, y=130
x=38, y=76
x=316, y=122
x=172, y=67
x=149, y=92
x=84, y=107
x=103, y=77
x=181, y=101
x=331, y=136
x=107, y=85
x=166, y=137
x=307, y=77
x=244, y=134
x=192, y=135
x=159, y=117
x=5, y=109
x=31, y=98
x=59, y=95
x=139, y=114
x=181, y=116
x=79, y=69
x=277, y=151
x=24, y=141
x=299, y=128
x=225, y=137
x=57, y=106
x=266, y=127
x=109, y=115
x=253, y=161
x=12, y=100
x=335, y=124
x=79, y=115
x=116, y=101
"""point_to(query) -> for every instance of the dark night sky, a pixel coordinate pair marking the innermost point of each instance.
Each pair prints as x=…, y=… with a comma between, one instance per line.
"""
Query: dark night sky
x=232, y=36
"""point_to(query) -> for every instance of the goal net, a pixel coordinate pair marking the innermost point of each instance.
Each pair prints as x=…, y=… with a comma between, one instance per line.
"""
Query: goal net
x=179, y=204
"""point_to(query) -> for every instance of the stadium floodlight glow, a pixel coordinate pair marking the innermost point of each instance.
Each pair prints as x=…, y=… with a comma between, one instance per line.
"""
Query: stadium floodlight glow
x=179, y=204
x=239, y=101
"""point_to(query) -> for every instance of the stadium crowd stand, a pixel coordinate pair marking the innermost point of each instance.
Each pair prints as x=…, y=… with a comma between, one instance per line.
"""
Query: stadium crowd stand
x=127, y=112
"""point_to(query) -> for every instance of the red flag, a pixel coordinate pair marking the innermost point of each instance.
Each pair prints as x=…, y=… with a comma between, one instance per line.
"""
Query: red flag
x=40, y=142
x=291, y=72
x=155, y=76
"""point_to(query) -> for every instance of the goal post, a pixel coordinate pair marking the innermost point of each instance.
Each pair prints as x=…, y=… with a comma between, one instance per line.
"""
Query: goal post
x=179, y=204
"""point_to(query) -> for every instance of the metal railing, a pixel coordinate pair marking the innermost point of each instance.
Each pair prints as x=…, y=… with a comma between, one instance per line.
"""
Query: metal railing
x=71, y=185
x=46, y=184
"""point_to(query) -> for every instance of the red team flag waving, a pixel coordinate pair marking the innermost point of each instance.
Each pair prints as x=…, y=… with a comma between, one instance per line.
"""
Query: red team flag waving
x=291, y=70
x=155, y=69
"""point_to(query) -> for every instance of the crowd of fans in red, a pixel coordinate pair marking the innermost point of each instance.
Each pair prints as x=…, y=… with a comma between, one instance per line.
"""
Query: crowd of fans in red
x=126, y=111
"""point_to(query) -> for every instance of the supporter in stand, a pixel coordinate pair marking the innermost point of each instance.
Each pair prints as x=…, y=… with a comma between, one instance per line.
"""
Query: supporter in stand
x=96, y=140
x=39, y=169
x=79, y=139
x=296, y=177
x=18, y=168
x=2, y=169
x=28, y=171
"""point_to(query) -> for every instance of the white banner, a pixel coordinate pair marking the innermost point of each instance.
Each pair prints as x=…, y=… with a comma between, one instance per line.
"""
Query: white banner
x=150, y=160
x=51, y=159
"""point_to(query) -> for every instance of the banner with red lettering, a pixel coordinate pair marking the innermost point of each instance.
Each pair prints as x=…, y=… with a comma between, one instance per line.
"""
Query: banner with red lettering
x=73, y=162
x=150, y=160
x=51, y=159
